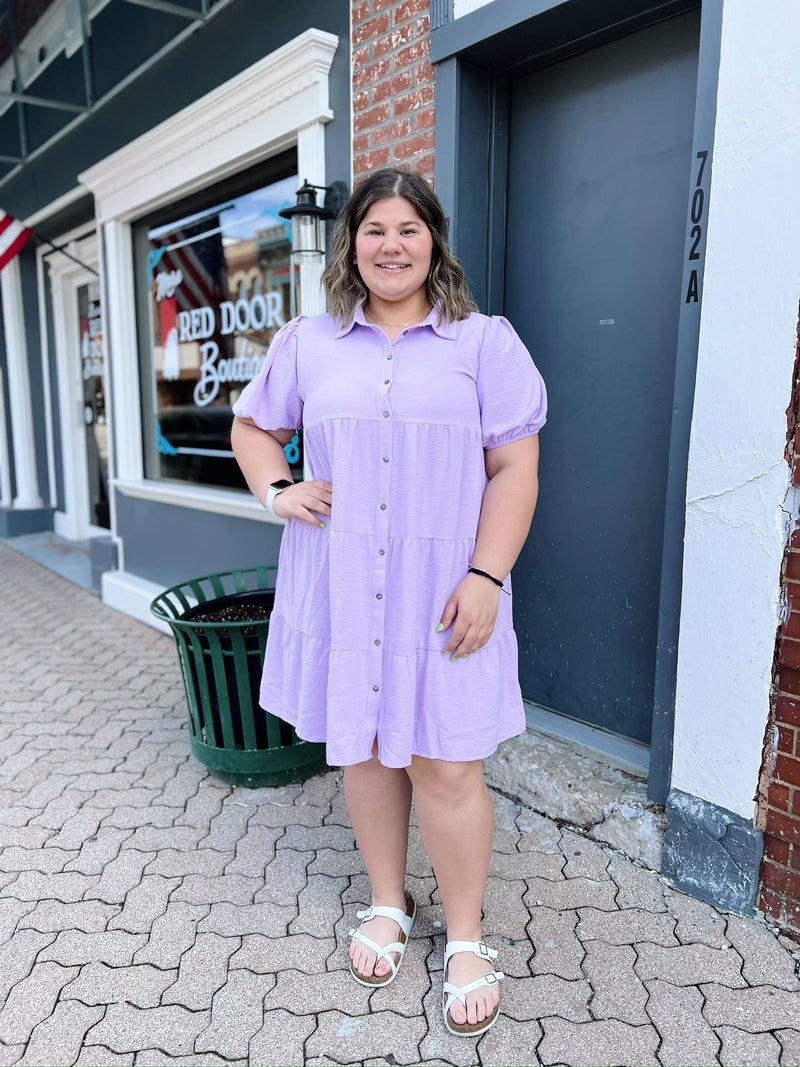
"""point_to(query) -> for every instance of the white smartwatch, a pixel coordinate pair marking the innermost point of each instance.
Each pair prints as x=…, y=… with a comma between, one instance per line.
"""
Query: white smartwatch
x=274, y=490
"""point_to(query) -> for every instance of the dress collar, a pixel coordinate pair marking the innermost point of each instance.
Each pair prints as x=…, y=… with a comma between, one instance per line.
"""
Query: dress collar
x=442, y=327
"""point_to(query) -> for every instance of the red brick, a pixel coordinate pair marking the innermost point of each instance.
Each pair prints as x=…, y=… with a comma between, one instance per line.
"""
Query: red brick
x=414, y=145
x=424, y=120
x=778, y=795
x=795, y=538
x=379, y=157
x=419, y=98
x=411, y=8
x=391, y=132
x=366, y=119
x=787, y=769
x=360, y=101
x=389, y=42
x=361, y=57
x=423, y=25
x=787, y=711
x=424, y=73
x=373, y=73
x=777, y=850
x=361, y=143
x=793, y=565
x=791, y=625
x=795, y=805
x=794, y=857
x=368, y=31
x=789, y=681
x=774, y=877
x=361, y=12
x=784, y=826
x=425, y=165
x=392, y=86
x=407, y=57
x=787, y=739
x=778, y=907
x=789, y=653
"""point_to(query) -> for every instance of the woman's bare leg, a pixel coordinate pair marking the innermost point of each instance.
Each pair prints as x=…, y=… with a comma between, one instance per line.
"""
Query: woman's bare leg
x=456, y=821
x=379, y=802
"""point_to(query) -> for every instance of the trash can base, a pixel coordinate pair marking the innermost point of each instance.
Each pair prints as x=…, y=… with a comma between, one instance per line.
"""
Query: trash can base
x=255, y=768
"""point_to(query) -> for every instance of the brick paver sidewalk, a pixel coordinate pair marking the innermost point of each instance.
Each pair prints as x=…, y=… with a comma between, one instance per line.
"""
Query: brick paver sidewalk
x=150, y=914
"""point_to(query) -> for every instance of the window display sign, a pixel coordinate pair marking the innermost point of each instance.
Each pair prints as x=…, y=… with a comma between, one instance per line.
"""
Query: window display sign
x=219, y=283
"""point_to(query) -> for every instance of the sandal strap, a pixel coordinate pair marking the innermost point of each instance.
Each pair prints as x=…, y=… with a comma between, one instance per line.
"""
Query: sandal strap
x=403, y=920
x=381, y=951
x=460, y=992
x=477, y=948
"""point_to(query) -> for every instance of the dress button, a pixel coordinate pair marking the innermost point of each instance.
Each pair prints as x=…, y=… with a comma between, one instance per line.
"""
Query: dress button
x=385, y=459
x=390, y=355
x=375, y=688
x=376, y=641
x=386, y=414
x=381, y=551
x=383, y=507
x=386, y=381
x=379, y=596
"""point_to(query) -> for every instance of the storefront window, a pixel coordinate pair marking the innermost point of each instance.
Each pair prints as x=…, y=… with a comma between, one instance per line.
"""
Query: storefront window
x=219, y=285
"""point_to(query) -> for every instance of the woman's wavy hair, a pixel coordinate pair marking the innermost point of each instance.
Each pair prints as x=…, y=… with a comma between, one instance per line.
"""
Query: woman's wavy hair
x=446, y=284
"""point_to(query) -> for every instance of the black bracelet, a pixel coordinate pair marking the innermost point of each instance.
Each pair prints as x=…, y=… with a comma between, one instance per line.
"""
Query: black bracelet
x=484, y=574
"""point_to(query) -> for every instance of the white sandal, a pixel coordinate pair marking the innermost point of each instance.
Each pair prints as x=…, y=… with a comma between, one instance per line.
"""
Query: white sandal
x=453, y=993
x=405, y=920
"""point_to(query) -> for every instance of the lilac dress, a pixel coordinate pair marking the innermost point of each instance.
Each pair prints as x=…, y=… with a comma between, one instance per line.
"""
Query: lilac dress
x=400, y=430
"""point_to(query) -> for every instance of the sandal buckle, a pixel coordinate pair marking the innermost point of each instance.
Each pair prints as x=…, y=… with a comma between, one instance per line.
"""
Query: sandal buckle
x=490, y=978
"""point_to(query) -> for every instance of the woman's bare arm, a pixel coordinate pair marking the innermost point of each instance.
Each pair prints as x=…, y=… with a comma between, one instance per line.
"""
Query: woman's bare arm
x=261, y=458
x=506, y=513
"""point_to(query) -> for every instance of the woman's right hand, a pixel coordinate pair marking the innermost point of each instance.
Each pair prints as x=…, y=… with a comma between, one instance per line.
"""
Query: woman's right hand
x=302, y=500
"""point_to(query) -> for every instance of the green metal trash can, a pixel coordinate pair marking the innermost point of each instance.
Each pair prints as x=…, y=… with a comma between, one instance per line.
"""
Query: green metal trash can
x=220, y=623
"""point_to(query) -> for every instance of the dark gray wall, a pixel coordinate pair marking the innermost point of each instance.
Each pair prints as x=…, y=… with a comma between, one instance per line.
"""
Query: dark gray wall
x=169, y=544
x=236, y=38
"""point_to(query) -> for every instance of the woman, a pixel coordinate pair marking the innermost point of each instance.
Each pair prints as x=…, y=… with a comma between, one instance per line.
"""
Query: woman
x=420, y=422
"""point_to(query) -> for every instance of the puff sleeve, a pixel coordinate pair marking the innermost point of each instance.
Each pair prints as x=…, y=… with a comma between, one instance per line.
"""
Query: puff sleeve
x=511, y=392
x=272, y=399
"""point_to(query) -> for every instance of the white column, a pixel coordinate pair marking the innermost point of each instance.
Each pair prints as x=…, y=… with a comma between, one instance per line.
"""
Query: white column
x=5, y=455
x=311, y=165
x=19, y=390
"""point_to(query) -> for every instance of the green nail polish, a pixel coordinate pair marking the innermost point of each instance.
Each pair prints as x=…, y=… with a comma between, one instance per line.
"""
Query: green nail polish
x=439, y=628
x=324, y=525
x=465, y=656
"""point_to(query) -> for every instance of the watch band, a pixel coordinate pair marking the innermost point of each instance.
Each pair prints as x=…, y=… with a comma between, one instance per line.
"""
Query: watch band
x=275, y=489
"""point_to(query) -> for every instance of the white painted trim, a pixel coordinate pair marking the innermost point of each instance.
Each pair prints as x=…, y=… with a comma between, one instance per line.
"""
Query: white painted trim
x=123, y=352
x=66, y=277
x=738, y=495
x=19, y=389
x=250, y=117
x=132, y=595
x=5, y=454
x=218, y=501
x=44, y=347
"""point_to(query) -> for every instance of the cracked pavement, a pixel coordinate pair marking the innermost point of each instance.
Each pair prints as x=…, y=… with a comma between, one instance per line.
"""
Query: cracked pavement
x=151, y=914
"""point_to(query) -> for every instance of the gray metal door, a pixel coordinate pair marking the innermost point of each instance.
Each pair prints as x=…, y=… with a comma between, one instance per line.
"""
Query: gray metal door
x=598, y=179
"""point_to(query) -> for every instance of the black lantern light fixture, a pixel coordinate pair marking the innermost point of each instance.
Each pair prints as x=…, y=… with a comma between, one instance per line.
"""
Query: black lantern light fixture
x=308, y=217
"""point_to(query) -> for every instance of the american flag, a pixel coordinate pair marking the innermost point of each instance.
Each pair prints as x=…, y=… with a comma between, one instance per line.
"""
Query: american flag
x=13, y=236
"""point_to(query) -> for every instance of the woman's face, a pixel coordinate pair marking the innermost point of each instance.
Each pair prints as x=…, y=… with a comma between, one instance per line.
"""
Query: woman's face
x=393, y=250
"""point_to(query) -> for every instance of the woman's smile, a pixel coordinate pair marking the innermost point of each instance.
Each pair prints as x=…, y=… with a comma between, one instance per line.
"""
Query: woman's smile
x=393, y=252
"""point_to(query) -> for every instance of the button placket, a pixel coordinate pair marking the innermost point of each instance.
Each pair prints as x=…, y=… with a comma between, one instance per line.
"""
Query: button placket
x=382, y=515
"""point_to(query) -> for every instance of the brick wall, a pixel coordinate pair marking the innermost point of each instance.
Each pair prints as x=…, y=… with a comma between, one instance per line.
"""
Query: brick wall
x=393, y=86
x=779, y=790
